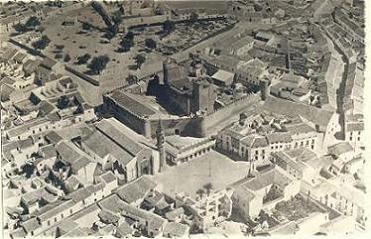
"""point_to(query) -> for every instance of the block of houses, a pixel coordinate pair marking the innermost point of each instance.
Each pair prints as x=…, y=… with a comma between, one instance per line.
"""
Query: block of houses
x=301, y=163
x=263, y=191
x=152, y=224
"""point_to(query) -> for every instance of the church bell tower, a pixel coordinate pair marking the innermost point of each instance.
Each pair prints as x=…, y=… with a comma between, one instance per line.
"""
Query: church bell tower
x=160, y=136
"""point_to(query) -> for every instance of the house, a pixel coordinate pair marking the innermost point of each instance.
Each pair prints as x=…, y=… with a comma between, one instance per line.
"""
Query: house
x=342, y=153
x=20, y=151
x=157, y=202
x=134, y=192
x=263, y=191
x=354, y=130
x=47, y=157
x=223, y=78
x=215, y=206
x=175, y=229
x=71, y=160
x=152, y=224
x=241, y=46
x=301, y=163
x=354, y=165
x=323, y=121
x=124, y=230
x=113, y=150
x=175, y=215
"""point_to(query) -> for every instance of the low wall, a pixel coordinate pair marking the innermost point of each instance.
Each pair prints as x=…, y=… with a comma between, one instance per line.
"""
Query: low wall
x=83, y=76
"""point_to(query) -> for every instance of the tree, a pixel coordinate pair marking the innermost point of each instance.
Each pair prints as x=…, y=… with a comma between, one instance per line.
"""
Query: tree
x=32, y=22
x=63, y=102
x=139, y=60
x=83, y=59
x=41, y=43
x=208, y=187
x=20, y=28
x=193, y=17
x=132, y=79
x=98, y=64
x=200, y=192
x=117, y=17
x=67, y=58
x=127, y=42
x=168, y=26
x=150, y=43
x=86, y=26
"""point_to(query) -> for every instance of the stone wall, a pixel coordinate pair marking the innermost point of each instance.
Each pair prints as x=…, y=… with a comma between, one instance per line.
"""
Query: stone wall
x=209, y=122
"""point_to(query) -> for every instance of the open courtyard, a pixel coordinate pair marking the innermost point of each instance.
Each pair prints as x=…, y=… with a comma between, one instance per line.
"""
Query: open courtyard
x=212, y=167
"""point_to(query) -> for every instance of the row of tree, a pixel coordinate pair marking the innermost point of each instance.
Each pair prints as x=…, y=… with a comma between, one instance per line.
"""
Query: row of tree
x=31, y=24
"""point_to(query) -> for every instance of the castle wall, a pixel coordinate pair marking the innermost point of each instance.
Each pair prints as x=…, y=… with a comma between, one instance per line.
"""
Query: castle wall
x=136, y=123
x=210, y=122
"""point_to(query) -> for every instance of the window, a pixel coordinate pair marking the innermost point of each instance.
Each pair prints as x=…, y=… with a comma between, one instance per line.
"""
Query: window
x=359, y=138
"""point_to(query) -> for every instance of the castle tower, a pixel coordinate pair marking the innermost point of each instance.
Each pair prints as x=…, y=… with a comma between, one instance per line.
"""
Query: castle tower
x=160, y=136
x=204, y=96
x=171, y=70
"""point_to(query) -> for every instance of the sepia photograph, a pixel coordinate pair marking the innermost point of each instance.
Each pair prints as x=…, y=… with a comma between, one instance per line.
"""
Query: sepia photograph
x=183, y=118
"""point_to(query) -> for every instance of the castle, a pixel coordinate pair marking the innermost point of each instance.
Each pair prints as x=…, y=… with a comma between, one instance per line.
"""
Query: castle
x=188, y=94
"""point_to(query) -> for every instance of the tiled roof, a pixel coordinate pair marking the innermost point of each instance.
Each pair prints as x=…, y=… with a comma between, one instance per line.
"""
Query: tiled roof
x=56, y=210
x=53, y=137
x=299, y=128
x=175, y=229
x=265, y=179
x=125, y=101
x=260, y=142
x=107, y=128
x=67, y=152
x=112, y=203
x=317, y=116
x=80, y=163
x=340, y=148
x=108, y=177
x=360, y=126
x=103, y=146
x=279, y=137
x=136, y=190
x=124, y=229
